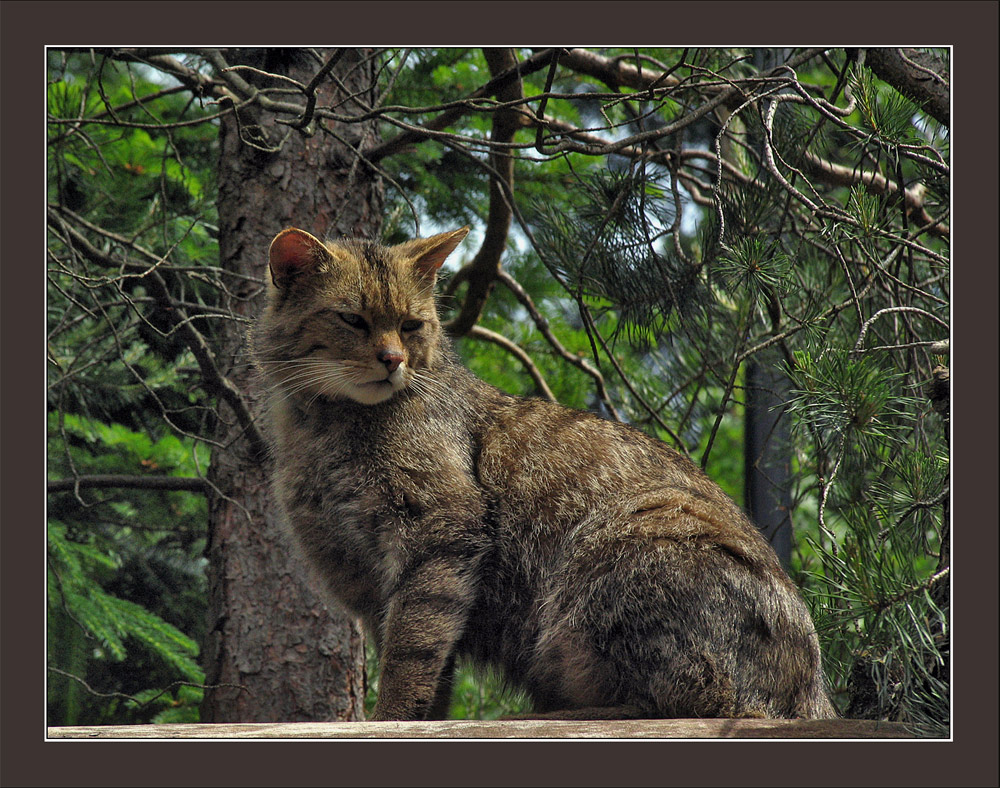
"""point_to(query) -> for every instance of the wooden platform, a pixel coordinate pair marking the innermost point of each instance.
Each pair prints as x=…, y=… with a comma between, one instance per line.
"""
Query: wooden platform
x=504, y=729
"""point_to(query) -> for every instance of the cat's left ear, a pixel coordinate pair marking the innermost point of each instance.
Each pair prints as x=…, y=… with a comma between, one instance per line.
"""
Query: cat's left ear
x=428, y=254
x=294, y=252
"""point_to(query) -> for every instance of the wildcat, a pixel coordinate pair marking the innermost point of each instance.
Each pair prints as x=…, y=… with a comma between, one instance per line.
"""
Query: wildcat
x=596, y=568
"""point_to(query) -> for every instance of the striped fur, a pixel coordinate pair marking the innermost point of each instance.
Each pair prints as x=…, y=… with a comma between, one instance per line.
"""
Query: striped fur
x=596, y=568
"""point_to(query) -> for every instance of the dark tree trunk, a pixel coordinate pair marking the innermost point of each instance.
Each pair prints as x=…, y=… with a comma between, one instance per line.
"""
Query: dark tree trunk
x=767, y=453
x=267, y=631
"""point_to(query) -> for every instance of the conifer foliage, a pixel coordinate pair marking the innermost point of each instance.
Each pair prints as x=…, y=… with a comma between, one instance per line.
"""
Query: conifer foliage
x=647, y=224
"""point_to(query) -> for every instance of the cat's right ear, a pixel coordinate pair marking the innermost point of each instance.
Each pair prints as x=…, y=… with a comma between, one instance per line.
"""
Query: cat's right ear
x=428, y=254
x=294, y=252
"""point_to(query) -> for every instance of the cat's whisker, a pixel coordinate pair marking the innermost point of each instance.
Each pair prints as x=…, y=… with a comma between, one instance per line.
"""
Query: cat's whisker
x=427, y=384
x=325, y=376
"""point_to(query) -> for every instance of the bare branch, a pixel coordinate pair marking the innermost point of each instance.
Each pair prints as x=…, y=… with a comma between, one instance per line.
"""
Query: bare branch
x=134, y=699
x=198, y=83
x=310, y=89
x=890, y=310
x=212, y=378
x=478, y=332
x=180, y=483
x=543, y=327
x=616, y=72
x=498, y=82
x=839, y=175
x=486, y=263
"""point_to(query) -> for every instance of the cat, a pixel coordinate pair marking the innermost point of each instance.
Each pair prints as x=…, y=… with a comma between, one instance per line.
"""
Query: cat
x=594, y=567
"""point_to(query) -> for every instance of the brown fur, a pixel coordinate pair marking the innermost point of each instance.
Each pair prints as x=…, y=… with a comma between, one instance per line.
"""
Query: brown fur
x=595, y=567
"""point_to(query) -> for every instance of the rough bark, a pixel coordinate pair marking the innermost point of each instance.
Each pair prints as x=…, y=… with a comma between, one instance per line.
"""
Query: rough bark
x=286, y=657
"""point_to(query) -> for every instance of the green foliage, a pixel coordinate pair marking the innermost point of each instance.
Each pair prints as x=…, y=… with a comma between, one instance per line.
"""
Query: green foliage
x=885, y=113
x=659, y=266
x=126, y=583
x=879, y=588
x=603, y=243
x=126, y=577
x=109, y=620
x=90, y=627
x=755, y=269
x=478, y=696
x=843, y=395
x=475, y=695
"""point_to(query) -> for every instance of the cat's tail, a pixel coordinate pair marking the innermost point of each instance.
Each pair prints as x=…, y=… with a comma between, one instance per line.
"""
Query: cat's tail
x=815, y=703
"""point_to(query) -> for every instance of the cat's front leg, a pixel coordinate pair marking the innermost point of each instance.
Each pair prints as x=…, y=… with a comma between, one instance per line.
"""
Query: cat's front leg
x=427, y=614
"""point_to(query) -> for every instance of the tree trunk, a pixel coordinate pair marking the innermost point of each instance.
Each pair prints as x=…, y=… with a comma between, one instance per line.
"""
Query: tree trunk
x=280, y=653
x=767, y=453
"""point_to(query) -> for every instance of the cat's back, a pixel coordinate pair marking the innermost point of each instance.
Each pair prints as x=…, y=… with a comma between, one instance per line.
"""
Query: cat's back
x=570, y=462
x=564, y=483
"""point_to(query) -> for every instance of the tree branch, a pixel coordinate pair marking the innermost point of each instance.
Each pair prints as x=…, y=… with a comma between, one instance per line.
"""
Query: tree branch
x=198, y=83
x=615, y=73
x=499, y=83
x=894, y=309
x=478, y=332
x=134, y=699
x=486, y=263
x=876, y=183
x=920, y=76
x=180, y=483
x=543, y=327
x=212, y=378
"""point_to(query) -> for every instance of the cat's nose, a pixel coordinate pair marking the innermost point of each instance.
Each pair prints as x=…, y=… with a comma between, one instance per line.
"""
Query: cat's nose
x=391, y=359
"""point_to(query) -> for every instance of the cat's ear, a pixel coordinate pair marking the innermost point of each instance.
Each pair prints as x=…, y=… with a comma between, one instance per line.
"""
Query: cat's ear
x=428, y=254
x=294, y=252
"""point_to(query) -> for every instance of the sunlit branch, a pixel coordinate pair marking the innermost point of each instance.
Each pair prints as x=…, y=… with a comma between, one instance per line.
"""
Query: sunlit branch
x=478, y=332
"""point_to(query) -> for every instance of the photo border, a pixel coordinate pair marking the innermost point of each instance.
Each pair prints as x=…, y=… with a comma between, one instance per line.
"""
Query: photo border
x=28, y=759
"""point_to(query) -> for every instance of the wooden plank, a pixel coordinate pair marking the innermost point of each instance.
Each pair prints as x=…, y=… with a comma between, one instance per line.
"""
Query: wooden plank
x=504, y=729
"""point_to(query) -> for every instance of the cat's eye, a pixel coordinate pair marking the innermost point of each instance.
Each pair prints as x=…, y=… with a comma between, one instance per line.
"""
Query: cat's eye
x=353, y=320
x=412, y=325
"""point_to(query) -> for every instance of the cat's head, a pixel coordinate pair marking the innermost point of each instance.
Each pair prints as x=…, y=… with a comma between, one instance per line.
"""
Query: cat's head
x=351, y=319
